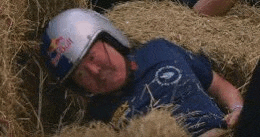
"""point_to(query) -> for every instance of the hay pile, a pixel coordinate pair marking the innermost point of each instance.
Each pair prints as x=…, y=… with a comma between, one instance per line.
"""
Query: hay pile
x=156, y=124
x=20, y=78
x=13, y=26
x=231, y=41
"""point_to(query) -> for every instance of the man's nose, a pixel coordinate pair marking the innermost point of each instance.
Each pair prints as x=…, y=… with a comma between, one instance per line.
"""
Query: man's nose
x=93, y=68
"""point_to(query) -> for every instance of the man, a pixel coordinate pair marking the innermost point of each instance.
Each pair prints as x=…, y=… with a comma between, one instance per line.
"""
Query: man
x=85, y=51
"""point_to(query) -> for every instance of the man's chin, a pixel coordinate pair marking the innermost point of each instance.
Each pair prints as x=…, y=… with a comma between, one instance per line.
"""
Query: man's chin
x=108, y=92
x=101, y=91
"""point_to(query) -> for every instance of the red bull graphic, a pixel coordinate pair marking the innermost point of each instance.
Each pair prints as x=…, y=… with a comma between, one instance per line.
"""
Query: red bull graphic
x=59, y=46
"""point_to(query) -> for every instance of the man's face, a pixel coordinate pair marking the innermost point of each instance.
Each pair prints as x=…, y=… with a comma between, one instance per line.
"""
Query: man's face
x=102, y=70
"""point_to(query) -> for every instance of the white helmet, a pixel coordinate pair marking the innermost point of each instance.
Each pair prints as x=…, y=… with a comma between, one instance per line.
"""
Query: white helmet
x=70, y=35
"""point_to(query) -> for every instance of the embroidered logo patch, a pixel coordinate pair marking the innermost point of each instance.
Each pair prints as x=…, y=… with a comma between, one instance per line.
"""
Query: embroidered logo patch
x=168, y=75
x=59, y=46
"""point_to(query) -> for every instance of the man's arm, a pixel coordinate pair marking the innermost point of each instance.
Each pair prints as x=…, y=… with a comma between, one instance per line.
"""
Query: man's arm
x=213, y=7
x=227, y=95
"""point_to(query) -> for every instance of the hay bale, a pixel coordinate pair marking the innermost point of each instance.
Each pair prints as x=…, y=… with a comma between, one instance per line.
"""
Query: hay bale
x=12, y=28
x=19, y=24
x=158, y=123
x=232, y=41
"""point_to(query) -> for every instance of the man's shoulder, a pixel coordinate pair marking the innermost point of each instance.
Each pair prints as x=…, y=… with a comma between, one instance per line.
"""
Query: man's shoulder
x=159, y=41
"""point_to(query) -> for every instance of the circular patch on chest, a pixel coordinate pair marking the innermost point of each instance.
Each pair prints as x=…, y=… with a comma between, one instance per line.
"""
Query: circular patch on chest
x=168, y=75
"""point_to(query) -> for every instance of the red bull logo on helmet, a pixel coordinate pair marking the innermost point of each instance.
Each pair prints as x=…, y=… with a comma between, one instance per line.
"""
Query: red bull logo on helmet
x=59, y=46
